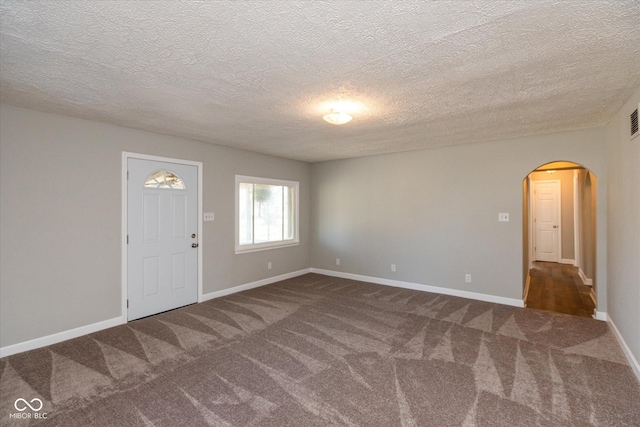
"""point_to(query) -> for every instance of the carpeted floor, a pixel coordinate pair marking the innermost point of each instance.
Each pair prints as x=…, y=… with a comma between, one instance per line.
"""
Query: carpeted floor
x=321, y=351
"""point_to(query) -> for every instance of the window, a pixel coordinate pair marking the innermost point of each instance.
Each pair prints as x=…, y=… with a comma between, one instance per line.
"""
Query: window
x=164, y=179
x=266, y=213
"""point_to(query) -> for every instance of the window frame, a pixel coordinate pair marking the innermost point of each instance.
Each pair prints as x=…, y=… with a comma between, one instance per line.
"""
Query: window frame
x=254, y=247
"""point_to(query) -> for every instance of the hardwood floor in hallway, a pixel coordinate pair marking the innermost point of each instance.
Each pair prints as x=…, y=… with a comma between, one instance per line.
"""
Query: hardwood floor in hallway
x=558, y=287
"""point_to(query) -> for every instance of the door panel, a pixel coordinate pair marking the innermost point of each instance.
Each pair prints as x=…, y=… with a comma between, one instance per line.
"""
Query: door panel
x=151, y=274
x=151, y=213
x=162, y=217
x=546, y=219
x=179, y=211
x=178, y=272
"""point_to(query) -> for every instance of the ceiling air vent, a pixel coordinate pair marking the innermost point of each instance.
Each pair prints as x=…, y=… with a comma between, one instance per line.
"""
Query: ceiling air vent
x=634, y=123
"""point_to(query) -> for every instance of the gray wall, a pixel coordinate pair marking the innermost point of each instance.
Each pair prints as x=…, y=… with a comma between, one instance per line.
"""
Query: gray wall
x=431, y=212
x=434, y=212
x=624, y=226
x=60, y=220
x=566, y=202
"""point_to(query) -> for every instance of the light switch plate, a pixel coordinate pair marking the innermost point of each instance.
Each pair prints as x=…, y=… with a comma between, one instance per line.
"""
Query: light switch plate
x=503, y=217
x=209, y=216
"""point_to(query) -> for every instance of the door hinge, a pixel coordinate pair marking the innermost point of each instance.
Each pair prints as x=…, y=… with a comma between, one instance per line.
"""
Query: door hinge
x=127, y=303
x=127, y=239
x=127, y=175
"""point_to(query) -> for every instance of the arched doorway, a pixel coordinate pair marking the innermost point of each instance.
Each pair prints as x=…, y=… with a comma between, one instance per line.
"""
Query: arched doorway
x=559, y=238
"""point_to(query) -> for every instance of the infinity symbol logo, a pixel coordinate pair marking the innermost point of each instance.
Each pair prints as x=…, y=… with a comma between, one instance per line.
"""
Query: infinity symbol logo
x=24, y=408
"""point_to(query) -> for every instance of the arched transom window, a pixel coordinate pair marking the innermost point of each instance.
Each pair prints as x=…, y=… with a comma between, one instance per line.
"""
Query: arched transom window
x=164, y=179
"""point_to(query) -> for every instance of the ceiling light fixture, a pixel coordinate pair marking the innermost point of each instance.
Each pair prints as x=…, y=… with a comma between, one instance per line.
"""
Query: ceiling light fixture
x=337, y=118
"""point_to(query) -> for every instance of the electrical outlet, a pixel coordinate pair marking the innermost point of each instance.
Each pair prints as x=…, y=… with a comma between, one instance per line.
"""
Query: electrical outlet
x=269, y=265
x=209, y=216
x=393, y=267
x=467, y=278
x=337, y=261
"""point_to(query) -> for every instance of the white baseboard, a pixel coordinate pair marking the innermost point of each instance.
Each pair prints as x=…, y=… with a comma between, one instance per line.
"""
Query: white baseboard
x=420, y=287
x=567, y=261
x=584, y=278
x=256, y=284
x=598, y=315
x=59, y=337
x=95, y=327
x=633, y=362
x=601, y=315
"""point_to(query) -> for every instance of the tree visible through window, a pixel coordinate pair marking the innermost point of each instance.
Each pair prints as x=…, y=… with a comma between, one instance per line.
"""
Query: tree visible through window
x=164, y=179
x=266, y=213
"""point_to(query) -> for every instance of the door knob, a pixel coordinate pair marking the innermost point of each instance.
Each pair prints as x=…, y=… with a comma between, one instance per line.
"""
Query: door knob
x=194, y=245
x=555, y=226
x=193, y=236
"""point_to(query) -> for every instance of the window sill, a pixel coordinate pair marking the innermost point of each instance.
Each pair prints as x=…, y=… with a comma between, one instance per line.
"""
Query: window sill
x=266, y=247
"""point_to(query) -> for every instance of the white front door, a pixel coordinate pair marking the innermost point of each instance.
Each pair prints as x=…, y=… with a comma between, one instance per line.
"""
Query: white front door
x=162, y=250
x=546, y=220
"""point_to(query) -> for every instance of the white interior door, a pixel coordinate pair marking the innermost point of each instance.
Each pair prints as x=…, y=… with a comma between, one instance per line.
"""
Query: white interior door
x=546, y=220
x=162, y=250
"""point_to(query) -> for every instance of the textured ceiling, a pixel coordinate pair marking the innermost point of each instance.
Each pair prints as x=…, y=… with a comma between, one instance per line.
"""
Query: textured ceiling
x=258, y=75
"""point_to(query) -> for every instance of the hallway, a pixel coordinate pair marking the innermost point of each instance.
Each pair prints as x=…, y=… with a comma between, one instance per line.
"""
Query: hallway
x=558, y=287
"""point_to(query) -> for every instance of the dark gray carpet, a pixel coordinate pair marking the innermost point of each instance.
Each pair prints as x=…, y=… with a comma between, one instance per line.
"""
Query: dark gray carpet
x=321, y=351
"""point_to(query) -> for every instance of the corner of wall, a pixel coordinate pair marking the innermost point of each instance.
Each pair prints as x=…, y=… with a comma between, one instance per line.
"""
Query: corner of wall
x=623, y=229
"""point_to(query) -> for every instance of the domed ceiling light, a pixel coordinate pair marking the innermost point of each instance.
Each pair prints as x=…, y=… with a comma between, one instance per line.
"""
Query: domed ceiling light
x=337, y=117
